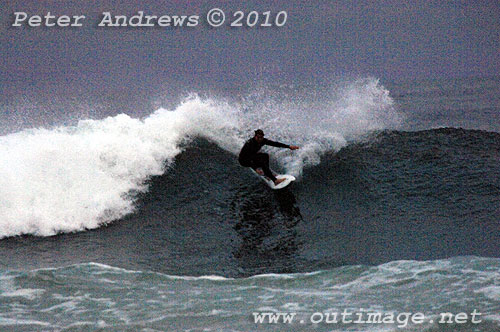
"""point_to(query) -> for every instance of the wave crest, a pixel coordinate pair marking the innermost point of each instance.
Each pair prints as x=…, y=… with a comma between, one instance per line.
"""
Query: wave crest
x=74, y=178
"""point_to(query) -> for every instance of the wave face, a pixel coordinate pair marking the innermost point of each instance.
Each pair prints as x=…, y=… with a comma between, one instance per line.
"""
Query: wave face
x=80, y=177
x=88, y=297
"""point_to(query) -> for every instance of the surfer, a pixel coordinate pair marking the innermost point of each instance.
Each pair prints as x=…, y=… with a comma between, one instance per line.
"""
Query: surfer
x=251, y=157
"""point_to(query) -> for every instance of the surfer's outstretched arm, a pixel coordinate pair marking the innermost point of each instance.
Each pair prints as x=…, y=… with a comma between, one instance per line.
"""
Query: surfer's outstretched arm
x=279, y=144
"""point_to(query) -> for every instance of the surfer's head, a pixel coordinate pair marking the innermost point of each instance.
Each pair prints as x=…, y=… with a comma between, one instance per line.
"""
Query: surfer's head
x=259, y=135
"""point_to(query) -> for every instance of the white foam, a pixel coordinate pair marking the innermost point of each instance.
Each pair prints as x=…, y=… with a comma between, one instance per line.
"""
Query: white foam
x=27, y=293
x=207, y=277
x=492, y=292
x=12, y=321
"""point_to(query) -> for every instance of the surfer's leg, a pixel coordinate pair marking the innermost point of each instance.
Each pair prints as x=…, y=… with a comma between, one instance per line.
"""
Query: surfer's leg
x=262, y=160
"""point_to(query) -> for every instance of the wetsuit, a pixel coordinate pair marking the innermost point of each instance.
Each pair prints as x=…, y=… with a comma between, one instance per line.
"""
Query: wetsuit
x=251, y=157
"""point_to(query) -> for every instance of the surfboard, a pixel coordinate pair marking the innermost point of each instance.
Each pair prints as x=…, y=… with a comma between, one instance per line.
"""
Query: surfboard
x=270, y=183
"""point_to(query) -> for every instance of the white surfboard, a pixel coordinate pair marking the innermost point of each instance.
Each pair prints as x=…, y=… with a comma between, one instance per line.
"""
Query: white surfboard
x=270, y=183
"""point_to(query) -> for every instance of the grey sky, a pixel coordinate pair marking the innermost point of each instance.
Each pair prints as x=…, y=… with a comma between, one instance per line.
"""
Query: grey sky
x=321, y=39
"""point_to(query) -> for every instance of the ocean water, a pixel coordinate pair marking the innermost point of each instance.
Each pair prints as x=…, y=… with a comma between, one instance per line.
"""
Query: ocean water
x=117, y=220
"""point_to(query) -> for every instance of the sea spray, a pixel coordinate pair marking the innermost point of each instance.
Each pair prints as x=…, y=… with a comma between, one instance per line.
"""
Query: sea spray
x=318, y=120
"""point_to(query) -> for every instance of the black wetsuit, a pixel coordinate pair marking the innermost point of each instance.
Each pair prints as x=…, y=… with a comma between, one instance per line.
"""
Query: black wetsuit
x=251, y=157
